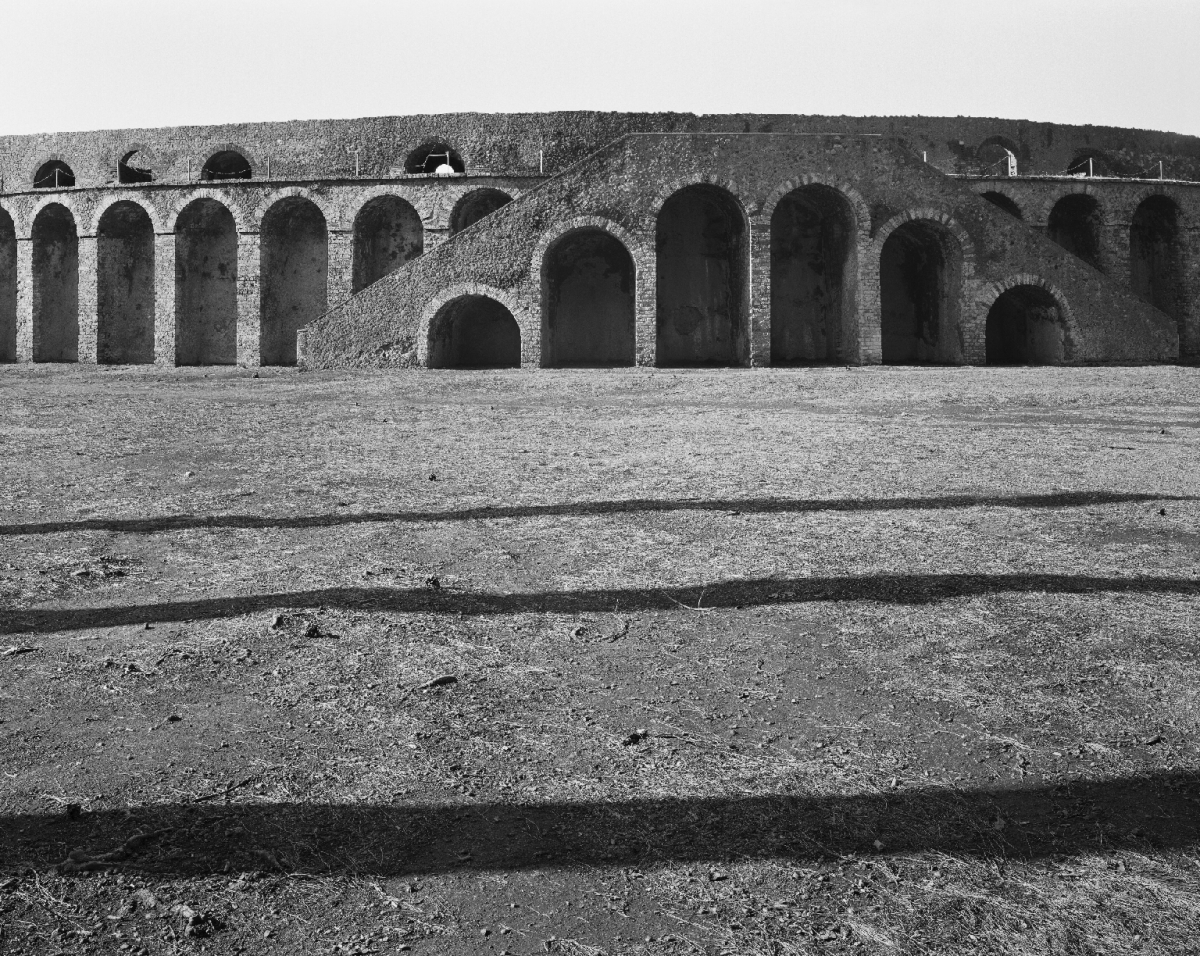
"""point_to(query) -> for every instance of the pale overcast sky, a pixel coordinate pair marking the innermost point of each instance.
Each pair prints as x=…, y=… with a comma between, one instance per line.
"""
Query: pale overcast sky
x=75, y=65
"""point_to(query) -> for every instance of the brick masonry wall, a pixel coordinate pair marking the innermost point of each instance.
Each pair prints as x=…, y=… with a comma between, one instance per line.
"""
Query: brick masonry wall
x=625, y=185
x=525, y=143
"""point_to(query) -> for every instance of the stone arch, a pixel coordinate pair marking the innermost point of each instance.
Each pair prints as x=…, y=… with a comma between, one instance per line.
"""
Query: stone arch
x=124, y=284
x=1029, y=322
x=431, y=155
x=1101, y=163
x=50, y=161
x=474, y=204
x=589, y=298
x=702, y=245
x=55, y=285
x=991, y=152
x=473, y=331
x=133, y=164
x=922, y=266
x=387, y=233
x=8, y=287
x=508, y=299
x=96, y=213
x=226, y=161
x=206, y=284
x=1003, y=200
x=862, y=212
x=243, y=222
x=1076, y=223
x=815, y=234
x=268, y=200
x=701, y=179
x=293, y=275
x=1157, y=257
x=1074, y=189
x=70, y=203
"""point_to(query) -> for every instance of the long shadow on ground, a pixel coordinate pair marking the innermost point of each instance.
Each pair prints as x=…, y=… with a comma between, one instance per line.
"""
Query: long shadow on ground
x=882, y=588
x=1145, y=812
x=585, y=509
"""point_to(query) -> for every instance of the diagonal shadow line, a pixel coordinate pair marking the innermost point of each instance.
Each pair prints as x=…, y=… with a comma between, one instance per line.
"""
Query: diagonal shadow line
x=1072, y=499
x=759, y=592
x=1149, y=811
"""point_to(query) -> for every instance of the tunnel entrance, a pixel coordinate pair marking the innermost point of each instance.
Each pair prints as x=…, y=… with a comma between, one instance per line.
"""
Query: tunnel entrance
x=387, y=233
x=54, y=174
x=588, y=301
x=227, y=164
x=474, y=206
x=206, y=308
x=55, y=286
x=702, y=254
x=436, y=158
x=814, y=268
x=920, y=279
x=133, y=168
x=1076, y=224
x=1025, y=326
x=1001, y=201
x=1156, y=261
x=125, y=286
x=295, y=275
x=474, y=331
x=8, y=288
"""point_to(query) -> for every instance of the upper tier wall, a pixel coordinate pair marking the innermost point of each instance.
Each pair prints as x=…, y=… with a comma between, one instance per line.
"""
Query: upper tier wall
x=527, y=143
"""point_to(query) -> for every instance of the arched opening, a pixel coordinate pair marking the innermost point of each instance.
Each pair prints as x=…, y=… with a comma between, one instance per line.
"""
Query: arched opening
x=387, y=234
x=1076, y=224
x=227, y=164
x=920, y=281
x=437, y=158
x=1156, y=261
x=54, y=174
x=474, y=331
x=1001, y=201
x=8, y=288
x=997, y=156
x=125, y=286
x=474, y=206
x=205, y=285
x=588, y=301
x=814, y=269
x=294, y=275
x=1091, y=162
x=1025, y=326
x=133, y=168
x=703, y=268
x=55, y=286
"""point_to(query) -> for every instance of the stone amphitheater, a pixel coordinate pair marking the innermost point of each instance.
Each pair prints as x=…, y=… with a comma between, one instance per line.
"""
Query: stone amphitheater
x=602, y=239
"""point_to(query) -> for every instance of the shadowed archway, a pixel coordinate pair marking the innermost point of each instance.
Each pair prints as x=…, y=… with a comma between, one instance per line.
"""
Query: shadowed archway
x=206, y=310
x=1026, y=326
x=125, y=285
x=8, y=288
x=294, y=274
x=703, y=270
x=474, y=331
x=1006, y=203
x=1076, y=224
x=1156, y=257
x=920, y=281
x=588, y=300
x=55, y=286
x=387, y=233
x=474, y=206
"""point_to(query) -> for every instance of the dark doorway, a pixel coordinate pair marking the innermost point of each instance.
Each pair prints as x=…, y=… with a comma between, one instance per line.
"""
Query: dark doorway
x=920, y=280
x=8, y=288
x=125, y=286
x=133, y=168
x=54, y=174
x=474, y=206
x=1156, y=261
x=206, y=307
x=814, y=267
x=295, y=276
x=588, y=301
x=437, y=158
x=55, y=286
x=703, y=270
x=227, y=164
x=387, y=233
x=1025, y=326
x=474, y=331
x=1001, y=201
x=1076, y=224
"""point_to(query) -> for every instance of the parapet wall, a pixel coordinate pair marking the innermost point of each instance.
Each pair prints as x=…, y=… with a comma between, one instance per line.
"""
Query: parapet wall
x=535, y=143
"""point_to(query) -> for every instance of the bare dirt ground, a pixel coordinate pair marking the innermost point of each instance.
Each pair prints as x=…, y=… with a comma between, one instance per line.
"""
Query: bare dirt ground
x=769, y=662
